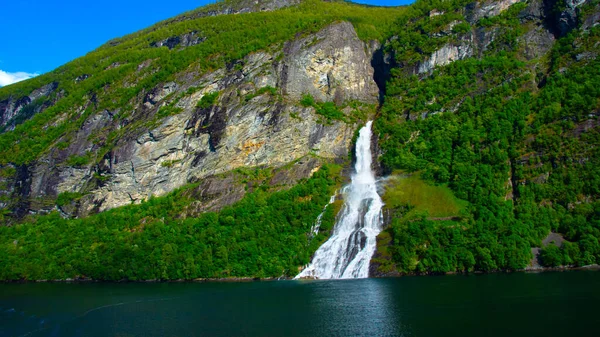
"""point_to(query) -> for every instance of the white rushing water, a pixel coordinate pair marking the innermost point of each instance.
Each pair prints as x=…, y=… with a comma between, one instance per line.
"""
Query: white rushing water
x=314, y=230
x=349, y=249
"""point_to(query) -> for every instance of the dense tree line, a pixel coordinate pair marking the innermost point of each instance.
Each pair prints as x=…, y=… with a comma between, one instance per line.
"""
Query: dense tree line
x=266, y=234
x=520, y=149
x=515, y=139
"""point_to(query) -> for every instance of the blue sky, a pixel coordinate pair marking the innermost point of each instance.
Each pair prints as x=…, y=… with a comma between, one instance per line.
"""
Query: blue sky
x=40, y=35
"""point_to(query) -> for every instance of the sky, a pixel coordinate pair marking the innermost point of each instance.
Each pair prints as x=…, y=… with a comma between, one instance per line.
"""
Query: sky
x=40, y=35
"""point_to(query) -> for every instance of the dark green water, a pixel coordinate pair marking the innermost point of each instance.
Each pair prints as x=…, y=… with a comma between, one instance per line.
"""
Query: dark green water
x=519, y=304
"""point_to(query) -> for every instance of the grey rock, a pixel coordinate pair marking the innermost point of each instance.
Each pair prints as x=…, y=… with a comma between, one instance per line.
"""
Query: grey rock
x=11, y=108
x=592, y=20
x=81, y=78
x=568, y=19
x=331, y=65
x=537, y=42
x=535, y=10
x=203, y=144
x=478, y=10
x=586, y=56
x=445, y=55
x=185, y=40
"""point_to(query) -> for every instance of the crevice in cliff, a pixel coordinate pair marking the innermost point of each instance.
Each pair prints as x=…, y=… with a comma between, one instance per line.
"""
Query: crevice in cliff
x=382, y=64
x=22, y=191
x=133, y=173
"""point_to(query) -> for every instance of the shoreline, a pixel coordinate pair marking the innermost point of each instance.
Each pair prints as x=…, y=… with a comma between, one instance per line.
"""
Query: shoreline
x=525, y=270
x=594, y=267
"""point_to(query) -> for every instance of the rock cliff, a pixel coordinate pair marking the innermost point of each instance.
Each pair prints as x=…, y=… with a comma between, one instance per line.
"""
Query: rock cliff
x=546, y=21
x=14, y=110
x=254, y=121
x=205, y=123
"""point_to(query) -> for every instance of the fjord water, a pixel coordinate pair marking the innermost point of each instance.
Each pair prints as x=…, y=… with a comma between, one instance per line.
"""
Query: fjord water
x=518, y=304
x=349, y=249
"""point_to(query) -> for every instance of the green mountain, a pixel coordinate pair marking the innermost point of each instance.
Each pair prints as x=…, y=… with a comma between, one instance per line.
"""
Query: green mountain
x=206, y=145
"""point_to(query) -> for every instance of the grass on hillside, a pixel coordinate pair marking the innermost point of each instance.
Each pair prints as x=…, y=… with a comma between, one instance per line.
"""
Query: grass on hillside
x=419, y=196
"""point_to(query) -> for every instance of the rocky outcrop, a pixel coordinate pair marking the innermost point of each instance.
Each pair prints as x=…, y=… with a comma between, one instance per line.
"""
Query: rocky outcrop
x=244, y=127
x=568, y=18
x=239, y=6
x=535, y=42
x=81, y=78
x=486, y=9
x=331, y=65
x=473, y=43
x=592, y=20
x=13, y=111
x=445, y=55
x=200, y=143
x=185, y=40
x=216, y=192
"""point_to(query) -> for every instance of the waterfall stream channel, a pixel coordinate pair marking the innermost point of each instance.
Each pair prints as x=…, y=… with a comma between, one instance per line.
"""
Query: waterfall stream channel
x=348, y=251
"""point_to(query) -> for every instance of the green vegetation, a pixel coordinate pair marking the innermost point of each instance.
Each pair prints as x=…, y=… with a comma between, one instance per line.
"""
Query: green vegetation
x=414, y=194
x=307, y=100
x=326, y=109
x=66, y=198
x=330, y=111
x=268, y=89
x=263, y=235
x=551, y=256
x=498, y=150
x=122, y=70
x=169, y=110
x=208, y=100
x=169, y=163
x=78, y=161
x=517, y=151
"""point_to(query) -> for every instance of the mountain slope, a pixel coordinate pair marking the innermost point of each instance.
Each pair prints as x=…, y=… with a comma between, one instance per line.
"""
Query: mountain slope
x=509, y=123
x=236, y=109
x=206, y=145
x=128, y=121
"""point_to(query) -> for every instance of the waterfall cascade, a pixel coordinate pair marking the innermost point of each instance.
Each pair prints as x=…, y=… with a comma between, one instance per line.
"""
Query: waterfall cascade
x=348, y=251
x=314, y=230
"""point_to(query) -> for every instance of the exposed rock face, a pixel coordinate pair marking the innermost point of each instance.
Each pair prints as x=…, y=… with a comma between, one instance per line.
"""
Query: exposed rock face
x=471, y=44
x=479, y=10
x=241, y=129
x=445, y=55
x=11, y=108
x=200, y=143
x=568, y=18
x=331, y=65
x=537, y=42
x=185, y=40
x=81, y=78
x=215, y=192
x=592, y=20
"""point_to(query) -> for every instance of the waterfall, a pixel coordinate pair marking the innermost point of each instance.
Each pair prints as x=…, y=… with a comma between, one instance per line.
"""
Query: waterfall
x=348, y=251
x=314, y=230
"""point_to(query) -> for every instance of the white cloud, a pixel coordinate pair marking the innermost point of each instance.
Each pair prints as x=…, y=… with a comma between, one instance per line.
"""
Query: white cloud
x=10, y=78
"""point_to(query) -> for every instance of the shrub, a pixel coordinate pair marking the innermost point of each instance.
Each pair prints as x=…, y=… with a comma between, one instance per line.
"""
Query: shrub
x=208, y=100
